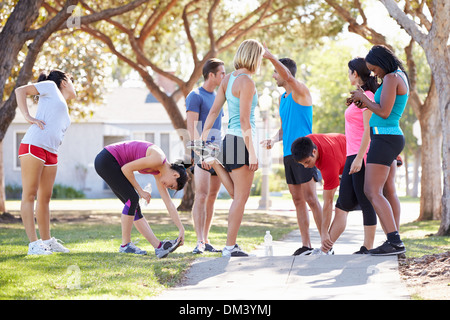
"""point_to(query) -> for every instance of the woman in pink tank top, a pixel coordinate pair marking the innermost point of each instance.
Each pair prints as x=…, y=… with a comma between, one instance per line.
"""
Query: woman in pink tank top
x=351, y=188
x=116, y=164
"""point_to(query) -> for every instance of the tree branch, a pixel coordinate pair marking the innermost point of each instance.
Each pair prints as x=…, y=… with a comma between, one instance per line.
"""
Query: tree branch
x=95, y=17
x=187, y=29
x=212, y=40
x=235, y=28
x=363, y=30
x=150, y=26
x=402, y=19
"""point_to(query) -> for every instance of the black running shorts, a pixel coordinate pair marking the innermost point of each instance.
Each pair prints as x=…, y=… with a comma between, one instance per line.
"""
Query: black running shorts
x=296, y=173
x=384, y=148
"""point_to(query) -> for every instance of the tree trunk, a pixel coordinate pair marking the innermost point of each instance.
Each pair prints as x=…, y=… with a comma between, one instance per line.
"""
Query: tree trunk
x=430, y=186
x=416, y=174
x=13, y=39
x=444, y=103
x=438, y=56
x=2, y=182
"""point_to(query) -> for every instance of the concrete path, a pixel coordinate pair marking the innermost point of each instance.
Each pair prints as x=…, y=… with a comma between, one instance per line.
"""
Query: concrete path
x=285, y=277
x=291, y=278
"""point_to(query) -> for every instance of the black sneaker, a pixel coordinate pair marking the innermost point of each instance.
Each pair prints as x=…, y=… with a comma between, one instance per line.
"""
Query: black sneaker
x=388, y=249
x=210, y=248
x=362, y=250
x=303, y=251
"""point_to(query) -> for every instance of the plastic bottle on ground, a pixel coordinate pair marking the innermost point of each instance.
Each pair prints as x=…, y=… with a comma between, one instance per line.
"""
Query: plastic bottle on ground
x=268, y=244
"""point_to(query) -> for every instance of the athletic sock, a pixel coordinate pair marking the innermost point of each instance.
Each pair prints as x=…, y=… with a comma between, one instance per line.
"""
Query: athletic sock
x=160, y=244
x=229, y=247
x=394, y=237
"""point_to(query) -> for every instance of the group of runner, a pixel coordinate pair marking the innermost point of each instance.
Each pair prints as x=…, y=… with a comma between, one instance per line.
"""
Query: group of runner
x=365, y=157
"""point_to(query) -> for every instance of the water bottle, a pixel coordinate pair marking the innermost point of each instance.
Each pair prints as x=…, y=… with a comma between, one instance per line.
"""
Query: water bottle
x=268, y=244
x=142, y=202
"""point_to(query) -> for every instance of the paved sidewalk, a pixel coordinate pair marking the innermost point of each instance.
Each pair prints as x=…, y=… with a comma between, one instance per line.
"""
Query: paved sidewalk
x=291, y=278
x=285, y=277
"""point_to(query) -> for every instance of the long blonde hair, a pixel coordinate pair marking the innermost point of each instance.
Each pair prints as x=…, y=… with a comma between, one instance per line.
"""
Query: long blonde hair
x=248, y=55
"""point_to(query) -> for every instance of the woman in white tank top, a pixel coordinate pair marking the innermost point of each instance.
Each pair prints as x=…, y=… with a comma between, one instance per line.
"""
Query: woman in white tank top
x=38, y=154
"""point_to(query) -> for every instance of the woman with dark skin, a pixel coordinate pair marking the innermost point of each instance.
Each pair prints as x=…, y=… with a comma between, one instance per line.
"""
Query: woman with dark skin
x=387, y=141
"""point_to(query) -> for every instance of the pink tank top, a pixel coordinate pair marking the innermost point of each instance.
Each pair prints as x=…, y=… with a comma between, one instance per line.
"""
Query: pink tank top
x=128, y=151
x=354, y=127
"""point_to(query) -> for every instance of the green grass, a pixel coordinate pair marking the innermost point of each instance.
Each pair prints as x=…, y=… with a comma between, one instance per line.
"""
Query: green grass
x=419, y=238
x=95, y=270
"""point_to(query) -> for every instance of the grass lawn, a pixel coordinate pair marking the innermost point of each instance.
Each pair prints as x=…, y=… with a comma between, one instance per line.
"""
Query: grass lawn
x=95, y=270
x=419, y=238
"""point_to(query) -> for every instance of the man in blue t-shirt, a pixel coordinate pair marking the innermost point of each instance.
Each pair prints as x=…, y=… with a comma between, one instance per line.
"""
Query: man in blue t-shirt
x=296, y=121
x=207, y=183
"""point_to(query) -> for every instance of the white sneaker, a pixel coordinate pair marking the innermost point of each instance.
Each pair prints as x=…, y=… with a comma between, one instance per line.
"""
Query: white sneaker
x=319, y=252
x=199, y=248
x=55, y=245
x=236, y=251
x=38, y=247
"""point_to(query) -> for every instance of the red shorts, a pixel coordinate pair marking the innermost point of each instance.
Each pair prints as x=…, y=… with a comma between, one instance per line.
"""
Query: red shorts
x=49, y=159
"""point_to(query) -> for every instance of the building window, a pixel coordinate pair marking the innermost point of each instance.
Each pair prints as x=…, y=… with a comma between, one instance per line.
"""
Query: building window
x=150, y=137
x=165, y=144
x=18, y=139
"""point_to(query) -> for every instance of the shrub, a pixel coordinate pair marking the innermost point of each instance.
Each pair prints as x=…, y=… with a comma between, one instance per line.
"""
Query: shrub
x=59, y=192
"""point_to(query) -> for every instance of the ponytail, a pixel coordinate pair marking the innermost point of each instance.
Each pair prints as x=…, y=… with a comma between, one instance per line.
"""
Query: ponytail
x=43, y=76
x=359, y=65
x=55, y=75
x=371, y=84
x=180, y=166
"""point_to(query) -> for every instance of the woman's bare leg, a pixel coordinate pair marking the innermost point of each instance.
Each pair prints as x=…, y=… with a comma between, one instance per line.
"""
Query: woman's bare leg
x=31, y=174
x=44, y=196
x=244, y=176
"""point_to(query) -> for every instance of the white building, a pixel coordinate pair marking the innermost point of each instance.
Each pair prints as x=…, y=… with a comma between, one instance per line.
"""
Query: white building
x=129, y=113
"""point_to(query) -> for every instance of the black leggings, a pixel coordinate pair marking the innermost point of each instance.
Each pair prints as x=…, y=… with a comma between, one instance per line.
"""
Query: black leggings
x=109, y=169
x=351, y=193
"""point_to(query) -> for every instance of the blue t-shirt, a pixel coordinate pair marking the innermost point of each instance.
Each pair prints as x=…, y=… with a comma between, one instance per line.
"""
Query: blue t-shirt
x=296, y=121
x=201, y=101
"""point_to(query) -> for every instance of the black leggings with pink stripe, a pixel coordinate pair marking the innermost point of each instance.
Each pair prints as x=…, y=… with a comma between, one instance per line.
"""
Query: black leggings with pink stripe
x=109, y=169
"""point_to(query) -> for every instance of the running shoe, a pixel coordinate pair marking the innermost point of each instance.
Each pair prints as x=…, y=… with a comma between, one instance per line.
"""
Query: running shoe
x=362, y=250
x=167, y=246
x=203, y=149
x=319, y=252
x=388, y=249
x=210, y=248
x=199, y=248
x=39, y=248
x=303, y=251
x=131, y=248
x=236, y=251
x=55, y=245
